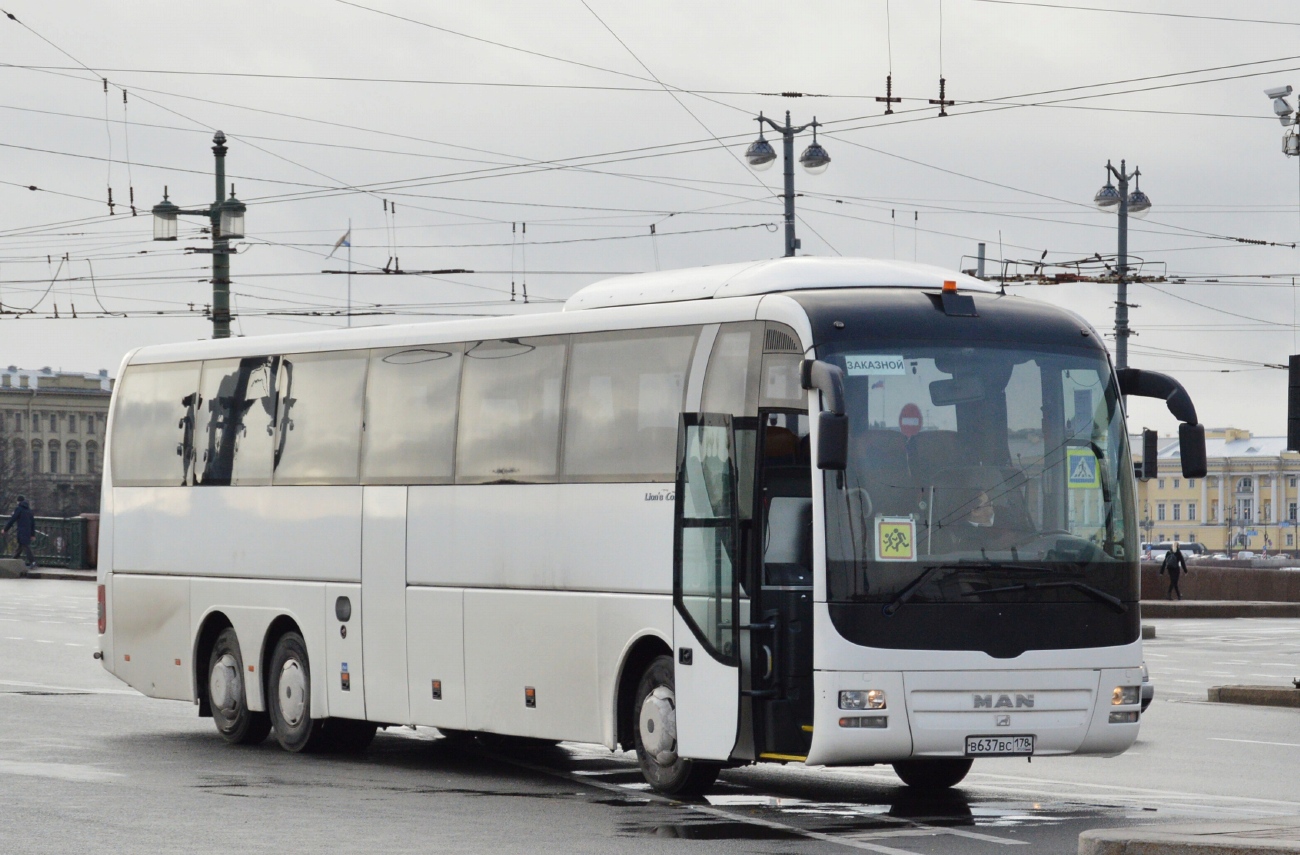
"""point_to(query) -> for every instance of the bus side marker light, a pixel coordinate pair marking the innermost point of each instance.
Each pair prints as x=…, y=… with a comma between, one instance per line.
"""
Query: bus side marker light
x=250, y=669
x=437, y=690
x=865, y=721
x=1124, y=717
x=178, y=661
x=530, y=697
x=126, y=657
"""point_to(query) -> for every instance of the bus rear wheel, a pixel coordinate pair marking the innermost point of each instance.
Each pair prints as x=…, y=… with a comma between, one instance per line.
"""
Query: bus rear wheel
x=655, y=732
x=236, y=723
x=290, y=697
x=937, y=773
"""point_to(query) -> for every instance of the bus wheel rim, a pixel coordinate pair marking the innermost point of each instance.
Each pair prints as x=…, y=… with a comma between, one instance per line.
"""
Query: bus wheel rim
x=658, y=724
x=223, y=685
x=292, y=693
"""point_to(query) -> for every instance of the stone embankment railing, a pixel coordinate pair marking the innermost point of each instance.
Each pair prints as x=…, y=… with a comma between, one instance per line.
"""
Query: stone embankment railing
x=1208, y=579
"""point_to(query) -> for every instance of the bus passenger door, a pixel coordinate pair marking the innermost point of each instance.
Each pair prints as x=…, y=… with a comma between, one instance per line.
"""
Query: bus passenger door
x=705, y=589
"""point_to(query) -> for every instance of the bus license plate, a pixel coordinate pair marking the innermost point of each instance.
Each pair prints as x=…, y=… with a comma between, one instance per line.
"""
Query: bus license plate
x=999, y=746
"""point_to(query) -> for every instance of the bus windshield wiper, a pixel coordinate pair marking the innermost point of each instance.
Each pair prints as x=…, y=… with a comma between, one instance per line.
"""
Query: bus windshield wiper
x=915, y=585
x=1083, y=587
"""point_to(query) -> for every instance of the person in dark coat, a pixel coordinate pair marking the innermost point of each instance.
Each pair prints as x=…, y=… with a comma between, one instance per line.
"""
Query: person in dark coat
x=24, y=521
x=1176, y=565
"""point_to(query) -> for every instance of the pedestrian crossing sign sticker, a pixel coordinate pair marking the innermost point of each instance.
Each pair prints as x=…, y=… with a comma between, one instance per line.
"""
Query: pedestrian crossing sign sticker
x=895, y=539
x=1081, y=466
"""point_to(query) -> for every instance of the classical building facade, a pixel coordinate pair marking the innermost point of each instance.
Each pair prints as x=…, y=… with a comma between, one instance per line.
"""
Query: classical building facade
x=1247, y=501
x=52, y=439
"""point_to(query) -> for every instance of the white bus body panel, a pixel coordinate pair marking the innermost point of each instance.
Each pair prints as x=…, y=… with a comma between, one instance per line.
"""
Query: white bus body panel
x=436, y=651
x=151, y=633
x=707, y=698
x=543, y=640
x=343, y=652
x=307, y=533
x=575, y=537
x=383, y=604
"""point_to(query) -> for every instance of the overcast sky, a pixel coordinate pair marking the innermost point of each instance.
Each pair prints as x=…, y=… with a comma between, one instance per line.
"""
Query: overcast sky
x=333, y=108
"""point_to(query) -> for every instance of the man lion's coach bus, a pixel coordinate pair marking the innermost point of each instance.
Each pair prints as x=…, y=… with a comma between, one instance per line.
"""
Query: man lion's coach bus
x=821, y=511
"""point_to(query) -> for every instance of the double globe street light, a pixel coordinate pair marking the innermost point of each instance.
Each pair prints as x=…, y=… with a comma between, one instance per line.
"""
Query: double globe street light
x=760, y=155
x=226, y=216
x=1124, y=203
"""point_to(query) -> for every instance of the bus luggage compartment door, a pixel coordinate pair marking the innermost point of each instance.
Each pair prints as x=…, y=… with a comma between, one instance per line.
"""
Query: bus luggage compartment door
x=705, y=589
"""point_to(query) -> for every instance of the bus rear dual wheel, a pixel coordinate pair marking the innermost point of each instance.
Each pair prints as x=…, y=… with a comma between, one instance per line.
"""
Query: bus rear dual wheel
x=289, y=706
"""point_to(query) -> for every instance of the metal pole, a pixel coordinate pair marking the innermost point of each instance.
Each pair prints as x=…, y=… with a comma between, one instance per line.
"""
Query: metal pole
x=787, y=146
x=220, y=247
x=1121, y=303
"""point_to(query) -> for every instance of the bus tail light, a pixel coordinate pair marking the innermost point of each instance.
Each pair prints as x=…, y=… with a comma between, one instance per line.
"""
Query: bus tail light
x=100, y=608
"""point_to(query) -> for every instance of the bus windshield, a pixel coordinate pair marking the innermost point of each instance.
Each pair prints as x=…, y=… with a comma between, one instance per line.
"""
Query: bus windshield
x=980, y=474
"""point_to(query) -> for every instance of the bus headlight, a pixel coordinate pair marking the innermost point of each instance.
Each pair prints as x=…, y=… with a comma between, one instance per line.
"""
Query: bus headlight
x=871, y=699
x=1126, y=695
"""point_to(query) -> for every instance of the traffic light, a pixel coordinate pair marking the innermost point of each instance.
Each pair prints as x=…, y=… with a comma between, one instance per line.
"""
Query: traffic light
x=1293, y=405
x=1150, y=455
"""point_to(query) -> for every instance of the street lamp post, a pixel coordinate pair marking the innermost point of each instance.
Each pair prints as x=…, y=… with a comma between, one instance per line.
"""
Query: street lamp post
x=1138, y=204
x=226, y=216
x=814, y=159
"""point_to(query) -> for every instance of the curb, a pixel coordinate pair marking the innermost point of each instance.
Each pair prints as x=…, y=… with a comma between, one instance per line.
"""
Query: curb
x=61, y=573
x=1218, y=609
x=1264, y=696
x=1242, y=837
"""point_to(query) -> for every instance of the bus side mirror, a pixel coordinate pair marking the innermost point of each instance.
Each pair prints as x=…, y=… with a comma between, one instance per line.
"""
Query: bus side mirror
x=832, y=441
x=832, y=423
x=1191, y=449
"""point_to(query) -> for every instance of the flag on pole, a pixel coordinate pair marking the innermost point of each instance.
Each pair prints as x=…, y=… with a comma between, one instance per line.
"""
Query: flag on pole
x=879, y=384
x=346, y=240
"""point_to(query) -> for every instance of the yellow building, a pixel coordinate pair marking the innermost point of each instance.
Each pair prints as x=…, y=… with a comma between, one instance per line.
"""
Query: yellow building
x=1248, y=500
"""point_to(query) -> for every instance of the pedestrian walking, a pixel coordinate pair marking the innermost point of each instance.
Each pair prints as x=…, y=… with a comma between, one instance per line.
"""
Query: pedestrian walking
x=24, y=522
x=1176, y=565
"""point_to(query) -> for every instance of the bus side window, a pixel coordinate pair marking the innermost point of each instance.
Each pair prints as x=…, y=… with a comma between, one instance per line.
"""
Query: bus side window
x=411, y=407
x=510, y=411
x=318, y=424
x=625, y=392
x=254, y=419
x=152, y=420
x=731, y=382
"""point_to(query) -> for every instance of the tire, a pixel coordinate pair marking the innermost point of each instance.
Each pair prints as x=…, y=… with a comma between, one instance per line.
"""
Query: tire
x=236, y=723
x=655, y=709
x=933, y=774
x=347, y=735
x=289, y=698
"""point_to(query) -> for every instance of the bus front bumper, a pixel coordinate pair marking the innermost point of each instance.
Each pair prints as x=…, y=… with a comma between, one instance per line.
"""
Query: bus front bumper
x=935, y=713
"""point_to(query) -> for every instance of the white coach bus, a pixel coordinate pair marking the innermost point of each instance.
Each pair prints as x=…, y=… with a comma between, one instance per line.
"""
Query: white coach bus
x=823, y=511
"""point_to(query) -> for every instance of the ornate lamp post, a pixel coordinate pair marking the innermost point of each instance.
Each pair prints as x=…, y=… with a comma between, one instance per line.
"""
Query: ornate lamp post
x=226, y=216
x=815, y=159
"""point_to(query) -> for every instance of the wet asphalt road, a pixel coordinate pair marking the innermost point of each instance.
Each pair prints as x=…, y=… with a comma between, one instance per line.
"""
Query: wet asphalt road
x=89, y=765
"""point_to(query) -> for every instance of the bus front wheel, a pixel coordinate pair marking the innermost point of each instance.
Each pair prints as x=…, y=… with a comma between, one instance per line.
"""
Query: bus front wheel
x=290, y=697
x=656, y=736
x=937, y=773
x=236, y=723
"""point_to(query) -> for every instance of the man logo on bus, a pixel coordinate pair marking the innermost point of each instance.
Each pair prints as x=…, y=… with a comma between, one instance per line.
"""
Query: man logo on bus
x=1004, y=702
